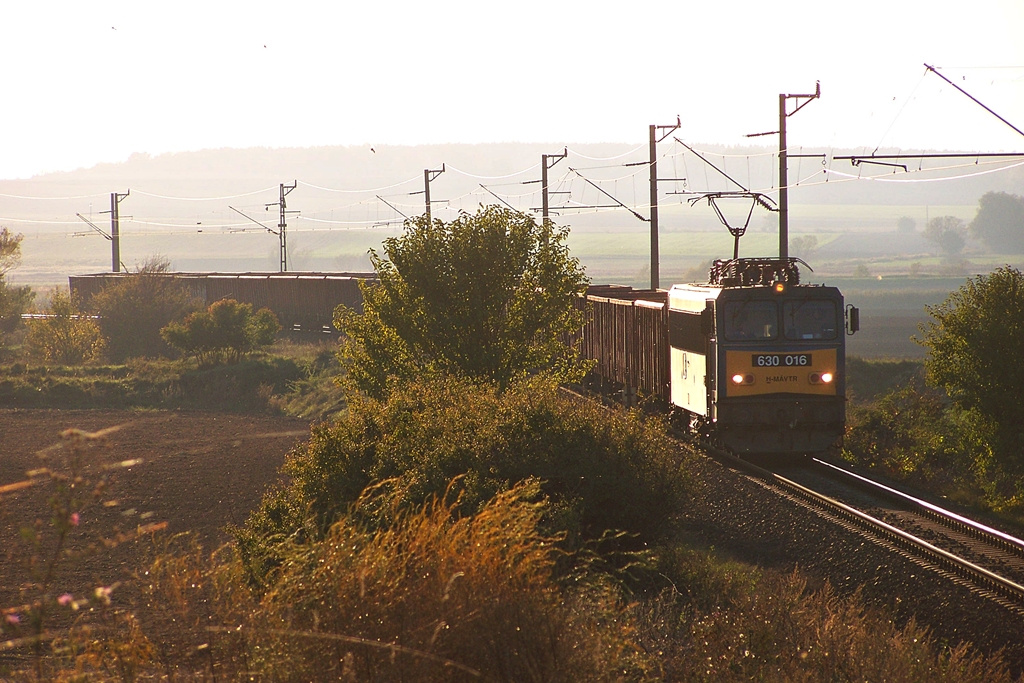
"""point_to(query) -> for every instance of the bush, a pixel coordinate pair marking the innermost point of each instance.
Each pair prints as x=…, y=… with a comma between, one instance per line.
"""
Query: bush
x=134, y=309
x=914, y=435
x=13, y=300
x=67, y=336
x=602, y=471
x=227, y=329
x=475, y=598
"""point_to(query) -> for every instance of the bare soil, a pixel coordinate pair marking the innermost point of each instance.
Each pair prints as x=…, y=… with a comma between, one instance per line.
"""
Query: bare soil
x=192, y=472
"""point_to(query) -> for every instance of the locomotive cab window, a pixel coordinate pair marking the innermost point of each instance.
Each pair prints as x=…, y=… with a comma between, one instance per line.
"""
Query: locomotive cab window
x=750, y=320
x=810, y=319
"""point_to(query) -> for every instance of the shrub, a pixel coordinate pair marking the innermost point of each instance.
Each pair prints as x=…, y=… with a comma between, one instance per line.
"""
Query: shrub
x=13, y=300
x=602, y=471
x=469, y=599
x=67, y=336
x=226, y=329
x=134, y=309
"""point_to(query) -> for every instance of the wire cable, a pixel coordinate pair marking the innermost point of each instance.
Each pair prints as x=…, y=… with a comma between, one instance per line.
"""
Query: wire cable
x=492, y=177
x=367, y=191
x=619, y=156
x=56, y=199
x=203, y=199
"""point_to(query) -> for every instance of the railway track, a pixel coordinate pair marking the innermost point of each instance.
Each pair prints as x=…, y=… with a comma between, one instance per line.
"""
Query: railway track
x=987, y=560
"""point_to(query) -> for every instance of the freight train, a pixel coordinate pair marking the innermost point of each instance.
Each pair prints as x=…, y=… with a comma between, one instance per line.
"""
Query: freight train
x=753, y=359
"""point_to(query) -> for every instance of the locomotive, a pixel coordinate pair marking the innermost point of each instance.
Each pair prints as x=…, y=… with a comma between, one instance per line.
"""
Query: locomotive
x=753, y=359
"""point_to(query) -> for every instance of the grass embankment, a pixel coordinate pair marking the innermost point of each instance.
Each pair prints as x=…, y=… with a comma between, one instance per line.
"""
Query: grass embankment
x=296, y=379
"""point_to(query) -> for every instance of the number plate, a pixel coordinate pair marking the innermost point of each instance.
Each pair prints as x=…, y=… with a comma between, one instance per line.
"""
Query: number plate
x=781, y=360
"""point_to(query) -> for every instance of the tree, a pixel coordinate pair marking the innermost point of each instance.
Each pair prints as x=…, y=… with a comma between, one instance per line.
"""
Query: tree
x=999, y=222
x=948, y=232
x=975, y=342
x=905, y=225
x=134, y=309
x=13, y=300
x=226, y=329
x=67, y=336
x=805, y=246
x=488, y=296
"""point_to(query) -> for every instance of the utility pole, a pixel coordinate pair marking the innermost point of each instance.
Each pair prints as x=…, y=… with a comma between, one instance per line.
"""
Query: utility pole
x=653, y=144
x=544, y=166
x=282, y=222
x=429, y=175
x=115, y=231
x=784, y=165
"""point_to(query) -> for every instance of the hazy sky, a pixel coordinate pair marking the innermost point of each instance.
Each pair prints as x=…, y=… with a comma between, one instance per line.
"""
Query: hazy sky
x=91, y=82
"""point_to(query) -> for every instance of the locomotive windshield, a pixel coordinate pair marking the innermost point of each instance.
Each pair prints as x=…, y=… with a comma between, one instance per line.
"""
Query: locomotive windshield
x=751, y=320
x=810, y=319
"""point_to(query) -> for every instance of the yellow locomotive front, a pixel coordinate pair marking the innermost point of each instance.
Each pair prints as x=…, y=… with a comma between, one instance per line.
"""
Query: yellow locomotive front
x=766, y=374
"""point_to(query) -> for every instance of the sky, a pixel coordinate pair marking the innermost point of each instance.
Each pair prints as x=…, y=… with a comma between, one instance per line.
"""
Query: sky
x=95, y=82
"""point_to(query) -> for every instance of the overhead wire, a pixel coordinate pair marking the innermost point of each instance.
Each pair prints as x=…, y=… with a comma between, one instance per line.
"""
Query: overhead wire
x=366, y=191
x=927, y=180
x=204, y=199
x=55, y=199
x=492, y=177
x=900, y=112
x=618, y=156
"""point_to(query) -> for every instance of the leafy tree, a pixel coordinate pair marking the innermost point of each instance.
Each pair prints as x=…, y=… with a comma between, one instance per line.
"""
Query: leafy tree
x=13, y=300
x=488, y=295
x=226, y=329
x=948, y=232
x=999, y=222
x=975, y=341
x=67, y=336
x=805, y=246
x=134, y=309
x=905, y=225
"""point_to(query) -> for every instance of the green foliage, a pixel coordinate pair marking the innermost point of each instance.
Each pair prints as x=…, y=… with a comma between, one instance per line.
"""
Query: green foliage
x=67, y=336
x=915, y=436
x=134, y=309
x=999, y=222
x=804, y=246
x=907, y=433
x=487, y=295
x=251, y=385
x=13, y=300
x=602, y=471
x=867, y=380
x=975, y=340
x=906, y=225
x=319, y=393
x=948, y=232
x=225, y=330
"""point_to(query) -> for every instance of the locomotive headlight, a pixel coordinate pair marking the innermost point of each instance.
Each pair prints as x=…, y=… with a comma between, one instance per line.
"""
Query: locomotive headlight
x=739, y=378
x=827, y=377
x=821, y=378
